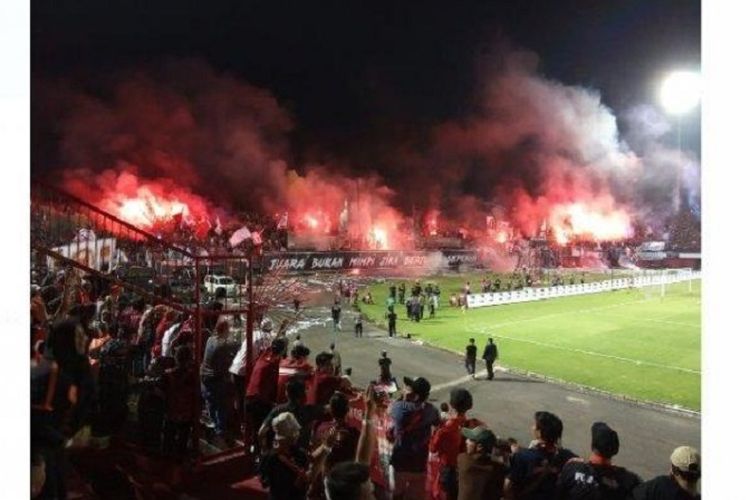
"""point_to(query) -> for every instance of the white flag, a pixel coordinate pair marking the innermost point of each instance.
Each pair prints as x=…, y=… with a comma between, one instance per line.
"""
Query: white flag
x=283, y=221
x=239, y=236
x=218, y=229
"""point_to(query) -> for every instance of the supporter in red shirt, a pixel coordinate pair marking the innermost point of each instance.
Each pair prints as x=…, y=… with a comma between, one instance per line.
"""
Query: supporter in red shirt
x=261, y=388
x=446, y=444
x=294, y=367
x=166, y=321
x=324, y=383
x=343, y=438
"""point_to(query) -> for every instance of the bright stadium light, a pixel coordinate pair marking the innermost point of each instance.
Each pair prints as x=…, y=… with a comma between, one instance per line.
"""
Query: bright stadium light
x=681, y=92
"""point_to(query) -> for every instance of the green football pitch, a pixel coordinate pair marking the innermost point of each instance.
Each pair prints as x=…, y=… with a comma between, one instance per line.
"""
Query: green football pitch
x=632, y=343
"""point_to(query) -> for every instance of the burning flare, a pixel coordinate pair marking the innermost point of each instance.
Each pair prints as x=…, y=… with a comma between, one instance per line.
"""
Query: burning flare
x=588, y=222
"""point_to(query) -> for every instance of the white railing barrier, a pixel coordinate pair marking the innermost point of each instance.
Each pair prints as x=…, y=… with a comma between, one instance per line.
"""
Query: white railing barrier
x=532, y=294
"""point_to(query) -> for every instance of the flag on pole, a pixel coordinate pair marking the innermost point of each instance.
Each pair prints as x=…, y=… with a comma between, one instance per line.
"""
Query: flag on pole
x=239, y=236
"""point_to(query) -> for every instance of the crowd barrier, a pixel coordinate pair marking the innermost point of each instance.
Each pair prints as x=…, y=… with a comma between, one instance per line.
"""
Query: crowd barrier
x=532, y=294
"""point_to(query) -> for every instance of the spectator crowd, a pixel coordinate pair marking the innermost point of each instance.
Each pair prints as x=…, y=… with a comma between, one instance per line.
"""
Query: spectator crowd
x=107, y=366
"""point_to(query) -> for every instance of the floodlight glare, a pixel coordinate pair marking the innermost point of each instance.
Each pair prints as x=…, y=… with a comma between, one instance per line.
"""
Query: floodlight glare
x=681, y=92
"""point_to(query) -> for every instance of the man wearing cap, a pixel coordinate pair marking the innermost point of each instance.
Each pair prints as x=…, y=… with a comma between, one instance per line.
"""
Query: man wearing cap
x=261, y=388
x=534, y=470
x=285, y=471
x=479, y=476
x=413, y=418
x=447, y=442
x=680, y=484
x=296, y=404
x=597, y=477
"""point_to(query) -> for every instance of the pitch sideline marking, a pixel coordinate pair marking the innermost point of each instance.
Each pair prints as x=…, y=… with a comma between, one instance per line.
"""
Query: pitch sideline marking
x=563, y=313
x=665, y=321
x=593, y=353
x=460, y=380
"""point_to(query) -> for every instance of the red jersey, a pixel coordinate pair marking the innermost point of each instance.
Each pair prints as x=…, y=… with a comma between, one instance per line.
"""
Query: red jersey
x=322, y=387
x=288, y=368
x=446, y=444
x=265, y=377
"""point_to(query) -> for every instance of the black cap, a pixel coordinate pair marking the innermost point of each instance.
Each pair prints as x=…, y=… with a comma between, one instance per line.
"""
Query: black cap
x=461, y=400
x=419, y=386
x=604, y=440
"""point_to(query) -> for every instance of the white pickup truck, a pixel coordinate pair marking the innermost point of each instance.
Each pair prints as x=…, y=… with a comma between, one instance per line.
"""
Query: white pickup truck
x=213, y=282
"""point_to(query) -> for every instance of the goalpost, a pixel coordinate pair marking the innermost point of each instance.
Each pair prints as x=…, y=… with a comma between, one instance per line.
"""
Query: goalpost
x=657, y=282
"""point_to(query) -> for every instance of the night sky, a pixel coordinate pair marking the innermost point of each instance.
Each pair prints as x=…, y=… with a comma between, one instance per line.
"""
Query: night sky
x=348, y=70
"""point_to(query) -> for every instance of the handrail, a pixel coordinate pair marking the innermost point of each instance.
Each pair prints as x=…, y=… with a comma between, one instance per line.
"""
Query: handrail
x=107, y=215
x=114, y=279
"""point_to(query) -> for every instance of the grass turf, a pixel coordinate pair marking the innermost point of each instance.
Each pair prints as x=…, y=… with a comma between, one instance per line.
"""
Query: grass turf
x=629, y=342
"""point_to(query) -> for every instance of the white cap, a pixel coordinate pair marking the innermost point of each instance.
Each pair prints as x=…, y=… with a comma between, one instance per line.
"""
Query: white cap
x=285, y=426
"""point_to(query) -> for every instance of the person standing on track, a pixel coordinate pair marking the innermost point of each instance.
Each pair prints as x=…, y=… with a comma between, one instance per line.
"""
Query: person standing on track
x=470, y=362
x=392, y=316
x=489, y=356
x=358, y=325
x=336, y=315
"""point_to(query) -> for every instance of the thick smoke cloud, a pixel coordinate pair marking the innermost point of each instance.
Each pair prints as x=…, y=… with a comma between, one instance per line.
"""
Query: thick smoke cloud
x=182, y=122
x=532, y=144
x=528, y=150
x=652, y=136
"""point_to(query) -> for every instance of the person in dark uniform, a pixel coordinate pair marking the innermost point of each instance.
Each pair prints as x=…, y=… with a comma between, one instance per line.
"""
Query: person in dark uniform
x=392, y=290
x=471, y=358
x=391, y=322
x=597, y=477
x=681, y=482
x=489, y=356
x=401, y=292
x=336, y=315
x=358, y=325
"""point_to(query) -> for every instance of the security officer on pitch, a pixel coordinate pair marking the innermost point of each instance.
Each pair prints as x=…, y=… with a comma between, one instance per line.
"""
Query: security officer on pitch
x=489, y=356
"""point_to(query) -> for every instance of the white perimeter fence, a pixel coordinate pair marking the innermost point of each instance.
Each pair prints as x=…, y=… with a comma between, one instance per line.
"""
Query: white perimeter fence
x=531, y=294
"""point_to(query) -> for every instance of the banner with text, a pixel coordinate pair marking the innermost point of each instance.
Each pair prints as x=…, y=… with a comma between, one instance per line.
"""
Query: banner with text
x=335, y=261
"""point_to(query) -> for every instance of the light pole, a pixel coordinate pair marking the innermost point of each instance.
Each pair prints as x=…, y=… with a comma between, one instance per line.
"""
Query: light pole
x=680, y=93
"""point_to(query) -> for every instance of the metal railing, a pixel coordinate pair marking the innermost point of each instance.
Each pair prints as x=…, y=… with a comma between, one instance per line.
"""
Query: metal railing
x=70, y=233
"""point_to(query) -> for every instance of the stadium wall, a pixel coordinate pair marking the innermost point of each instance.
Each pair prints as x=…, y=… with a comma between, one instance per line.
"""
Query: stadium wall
x=532, y=294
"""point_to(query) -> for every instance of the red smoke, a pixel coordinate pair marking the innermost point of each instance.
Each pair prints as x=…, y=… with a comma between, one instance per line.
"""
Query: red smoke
x=147, y=204
x=164, y=141
x=324, y=203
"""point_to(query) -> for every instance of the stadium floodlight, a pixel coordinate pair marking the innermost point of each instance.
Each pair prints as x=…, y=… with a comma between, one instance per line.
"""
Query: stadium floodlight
x=681, y=92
